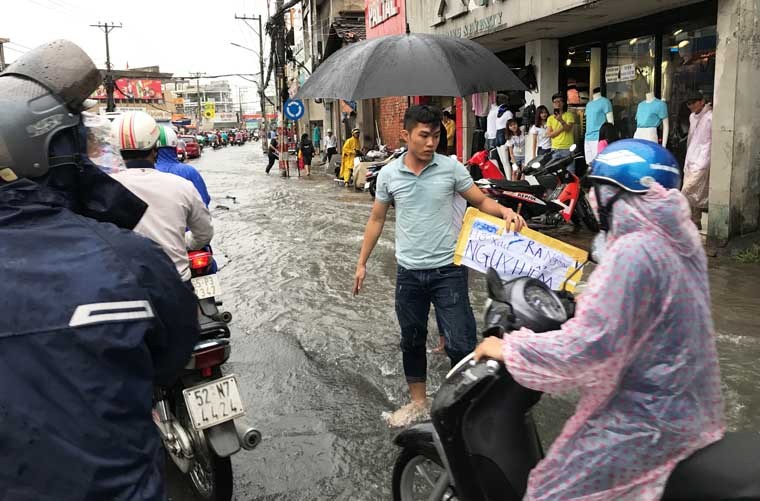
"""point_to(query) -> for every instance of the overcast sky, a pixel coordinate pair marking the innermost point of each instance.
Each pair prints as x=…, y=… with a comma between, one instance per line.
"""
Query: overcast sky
x=180, y=37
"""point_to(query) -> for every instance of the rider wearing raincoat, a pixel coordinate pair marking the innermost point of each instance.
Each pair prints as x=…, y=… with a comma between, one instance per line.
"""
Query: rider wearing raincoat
x=640, y=348
x=350, y=147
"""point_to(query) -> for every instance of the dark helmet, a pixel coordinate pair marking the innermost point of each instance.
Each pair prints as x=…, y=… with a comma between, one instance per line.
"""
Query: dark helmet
x=41, y=94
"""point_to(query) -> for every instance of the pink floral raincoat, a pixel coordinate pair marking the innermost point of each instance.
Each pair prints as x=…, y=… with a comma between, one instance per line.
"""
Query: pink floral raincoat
x=641, y=352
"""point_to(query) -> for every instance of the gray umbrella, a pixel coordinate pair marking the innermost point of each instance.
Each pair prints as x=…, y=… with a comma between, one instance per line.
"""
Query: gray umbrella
x=409, y=65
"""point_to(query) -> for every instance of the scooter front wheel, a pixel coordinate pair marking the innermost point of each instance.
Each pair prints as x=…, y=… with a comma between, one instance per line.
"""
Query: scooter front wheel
x=421, y=476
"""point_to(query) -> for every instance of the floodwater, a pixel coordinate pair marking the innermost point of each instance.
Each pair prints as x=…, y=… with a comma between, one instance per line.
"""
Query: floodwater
x=318, y=367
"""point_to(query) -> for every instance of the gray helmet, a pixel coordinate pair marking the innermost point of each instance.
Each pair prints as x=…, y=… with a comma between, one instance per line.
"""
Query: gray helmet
x=41, y=94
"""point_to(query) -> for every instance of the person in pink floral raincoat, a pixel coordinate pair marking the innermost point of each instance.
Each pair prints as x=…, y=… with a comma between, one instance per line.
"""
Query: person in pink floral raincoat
x=640, y=348
x=696, y=172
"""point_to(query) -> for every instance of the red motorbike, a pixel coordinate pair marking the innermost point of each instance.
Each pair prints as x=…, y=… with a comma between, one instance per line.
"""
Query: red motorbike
x=549, y=196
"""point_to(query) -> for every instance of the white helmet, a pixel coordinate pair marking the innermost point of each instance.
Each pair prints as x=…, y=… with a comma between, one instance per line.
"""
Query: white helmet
x=135, y=130
x=167, y=137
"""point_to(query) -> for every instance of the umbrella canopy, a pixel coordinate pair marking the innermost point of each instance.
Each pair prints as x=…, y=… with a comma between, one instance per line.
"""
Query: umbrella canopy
x=414, y=64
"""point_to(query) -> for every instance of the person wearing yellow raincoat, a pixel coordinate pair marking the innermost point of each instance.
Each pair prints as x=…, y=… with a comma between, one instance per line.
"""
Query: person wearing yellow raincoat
x=350, y=147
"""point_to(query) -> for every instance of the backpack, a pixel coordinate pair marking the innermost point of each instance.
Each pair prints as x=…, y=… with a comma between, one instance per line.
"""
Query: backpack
x=529, y=115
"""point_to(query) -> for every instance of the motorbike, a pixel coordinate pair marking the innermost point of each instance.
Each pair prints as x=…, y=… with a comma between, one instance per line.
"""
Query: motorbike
x=370, y=179
x=549, y=196
x=483, y=442
x=200, y=417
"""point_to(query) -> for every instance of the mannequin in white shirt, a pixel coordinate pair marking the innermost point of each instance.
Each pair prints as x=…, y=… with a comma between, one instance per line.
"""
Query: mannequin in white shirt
x=647, y=123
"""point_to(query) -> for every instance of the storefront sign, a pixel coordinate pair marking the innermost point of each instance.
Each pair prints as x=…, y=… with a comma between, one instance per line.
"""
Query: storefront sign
x=612, y=74
x=627, y=72
x=378, y=11
x=479, y=26
x=226, y=116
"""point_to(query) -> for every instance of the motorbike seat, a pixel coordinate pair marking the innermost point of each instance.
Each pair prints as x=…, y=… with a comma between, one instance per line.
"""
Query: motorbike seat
x=727, y=469
x=522, y=186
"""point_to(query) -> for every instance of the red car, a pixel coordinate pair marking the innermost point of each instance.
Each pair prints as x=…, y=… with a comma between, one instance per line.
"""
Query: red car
x=192, y=147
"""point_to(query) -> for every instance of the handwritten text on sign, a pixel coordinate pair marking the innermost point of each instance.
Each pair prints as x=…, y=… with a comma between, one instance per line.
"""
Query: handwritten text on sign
x=484, y=243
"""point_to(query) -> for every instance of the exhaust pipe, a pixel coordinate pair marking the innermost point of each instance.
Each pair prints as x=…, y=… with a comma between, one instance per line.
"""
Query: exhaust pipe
x=248, y=436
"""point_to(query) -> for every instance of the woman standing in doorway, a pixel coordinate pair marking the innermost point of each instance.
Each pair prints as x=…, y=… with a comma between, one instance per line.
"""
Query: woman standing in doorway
x=541, y=141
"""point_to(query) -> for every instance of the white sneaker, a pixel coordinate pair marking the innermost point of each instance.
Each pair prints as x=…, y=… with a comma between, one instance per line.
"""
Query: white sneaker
x=408, y=414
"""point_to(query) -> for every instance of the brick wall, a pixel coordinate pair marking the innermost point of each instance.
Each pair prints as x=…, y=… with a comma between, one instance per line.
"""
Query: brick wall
x=391, y=119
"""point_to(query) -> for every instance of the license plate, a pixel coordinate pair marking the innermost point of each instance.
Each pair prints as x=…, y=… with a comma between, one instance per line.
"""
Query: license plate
x=213, y=403
x=207, y=286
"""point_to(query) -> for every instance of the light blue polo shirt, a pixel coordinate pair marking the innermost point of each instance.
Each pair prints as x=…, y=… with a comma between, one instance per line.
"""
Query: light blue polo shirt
x=651, y=114
x=426, y=233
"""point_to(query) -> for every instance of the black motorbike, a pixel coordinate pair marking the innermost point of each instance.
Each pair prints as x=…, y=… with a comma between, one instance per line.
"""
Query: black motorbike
x=482, y=442
x=549, y=196
x=199, y=418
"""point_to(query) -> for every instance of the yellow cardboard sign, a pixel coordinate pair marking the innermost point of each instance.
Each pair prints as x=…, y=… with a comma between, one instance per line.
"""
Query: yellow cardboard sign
x=485, y=243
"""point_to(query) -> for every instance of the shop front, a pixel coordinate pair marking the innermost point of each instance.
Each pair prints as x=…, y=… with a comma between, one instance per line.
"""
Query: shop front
x=641, y=64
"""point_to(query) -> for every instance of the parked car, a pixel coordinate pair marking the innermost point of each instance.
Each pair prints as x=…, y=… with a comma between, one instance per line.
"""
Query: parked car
x=192, y=147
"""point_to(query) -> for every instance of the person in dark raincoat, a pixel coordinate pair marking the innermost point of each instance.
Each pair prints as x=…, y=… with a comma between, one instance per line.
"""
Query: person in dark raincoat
x=93, y=314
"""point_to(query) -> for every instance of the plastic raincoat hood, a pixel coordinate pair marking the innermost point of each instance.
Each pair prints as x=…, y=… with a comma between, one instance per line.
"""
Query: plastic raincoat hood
x=640, y=350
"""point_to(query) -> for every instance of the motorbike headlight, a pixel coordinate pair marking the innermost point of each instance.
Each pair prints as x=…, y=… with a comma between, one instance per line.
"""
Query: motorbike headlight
x=544, y=302
x=536, y=165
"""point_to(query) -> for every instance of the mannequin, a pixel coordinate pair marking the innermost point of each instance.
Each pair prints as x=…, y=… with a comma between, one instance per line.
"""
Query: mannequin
x=649, y=115
x=598, y=111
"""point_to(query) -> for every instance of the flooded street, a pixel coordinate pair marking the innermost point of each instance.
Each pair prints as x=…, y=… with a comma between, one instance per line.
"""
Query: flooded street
x=317, y=367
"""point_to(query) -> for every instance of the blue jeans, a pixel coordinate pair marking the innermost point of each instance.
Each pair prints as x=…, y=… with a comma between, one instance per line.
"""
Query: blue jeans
x=446, y=289
x=563, y=154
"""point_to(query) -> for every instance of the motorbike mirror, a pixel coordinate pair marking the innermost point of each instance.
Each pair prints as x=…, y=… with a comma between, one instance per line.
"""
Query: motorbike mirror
x=495, y=286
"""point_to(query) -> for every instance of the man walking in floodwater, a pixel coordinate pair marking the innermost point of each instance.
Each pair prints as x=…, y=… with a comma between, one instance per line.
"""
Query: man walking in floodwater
x=422, y=185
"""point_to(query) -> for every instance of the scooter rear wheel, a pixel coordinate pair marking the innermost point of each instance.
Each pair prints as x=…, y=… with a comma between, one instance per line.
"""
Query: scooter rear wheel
x=418, y=476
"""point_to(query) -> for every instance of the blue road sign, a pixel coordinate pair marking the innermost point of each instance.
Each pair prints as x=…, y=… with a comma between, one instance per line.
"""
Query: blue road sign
x=294, y=109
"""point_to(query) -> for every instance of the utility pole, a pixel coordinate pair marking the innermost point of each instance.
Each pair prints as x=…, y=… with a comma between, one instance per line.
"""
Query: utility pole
x=2, y=53
x=197, y=75
x=107, y=28
x=262, y=91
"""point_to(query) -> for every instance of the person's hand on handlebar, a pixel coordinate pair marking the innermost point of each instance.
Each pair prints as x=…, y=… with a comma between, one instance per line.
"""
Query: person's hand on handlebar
x=491, y=347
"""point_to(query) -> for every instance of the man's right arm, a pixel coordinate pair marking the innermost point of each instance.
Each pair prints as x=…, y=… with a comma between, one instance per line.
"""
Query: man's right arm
x=371, y=235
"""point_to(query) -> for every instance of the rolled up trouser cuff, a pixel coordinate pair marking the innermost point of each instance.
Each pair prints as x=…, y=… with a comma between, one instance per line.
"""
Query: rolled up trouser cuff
x=415, y=379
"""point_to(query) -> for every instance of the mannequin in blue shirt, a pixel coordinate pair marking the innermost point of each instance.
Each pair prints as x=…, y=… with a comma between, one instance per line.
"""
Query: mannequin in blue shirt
x=598, y=112
x=649, y=115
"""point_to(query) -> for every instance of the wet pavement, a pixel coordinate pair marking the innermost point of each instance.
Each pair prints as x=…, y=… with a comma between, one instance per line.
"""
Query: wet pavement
x=317, y=367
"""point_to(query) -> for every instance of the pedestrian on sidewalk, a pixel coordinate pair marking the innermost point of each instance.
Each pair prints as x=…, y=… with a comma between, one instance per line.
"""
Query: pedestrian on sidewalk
x=559, y=128
x=274, y=152
x=422, y=184
x=306, y=150
x=696, y=170
x=516, y=145
x=316, y=138
x=351, y=149
x=331, y=148
x=542, y=143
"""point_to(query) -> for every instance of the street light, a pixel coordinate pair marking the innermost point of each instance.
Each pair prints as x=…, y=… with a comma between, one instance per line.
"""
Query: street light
x=245, y=48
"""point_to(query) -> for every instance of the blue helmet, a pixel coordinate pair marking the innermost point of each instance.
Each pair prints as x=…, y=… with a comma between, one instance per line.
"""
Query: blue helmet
x=634, y=164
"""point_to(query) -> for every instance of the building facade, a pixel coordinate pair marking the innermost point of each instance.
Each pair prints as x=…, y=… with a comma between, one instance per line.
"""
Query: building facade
x=630, y=49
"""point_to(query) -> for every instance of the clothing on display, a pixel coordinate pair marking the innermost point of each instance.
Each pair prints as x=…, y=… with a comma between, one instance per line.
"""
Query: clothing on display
x=491, y=122
x=696, y=172
x=481, y=103
x=651, y=113
x=596, y=116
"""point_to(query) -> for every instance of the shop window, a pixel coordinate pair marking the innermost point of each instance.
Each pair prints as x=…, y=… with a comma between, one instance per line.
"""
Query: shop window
x=629, y=75
x=688, y=65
